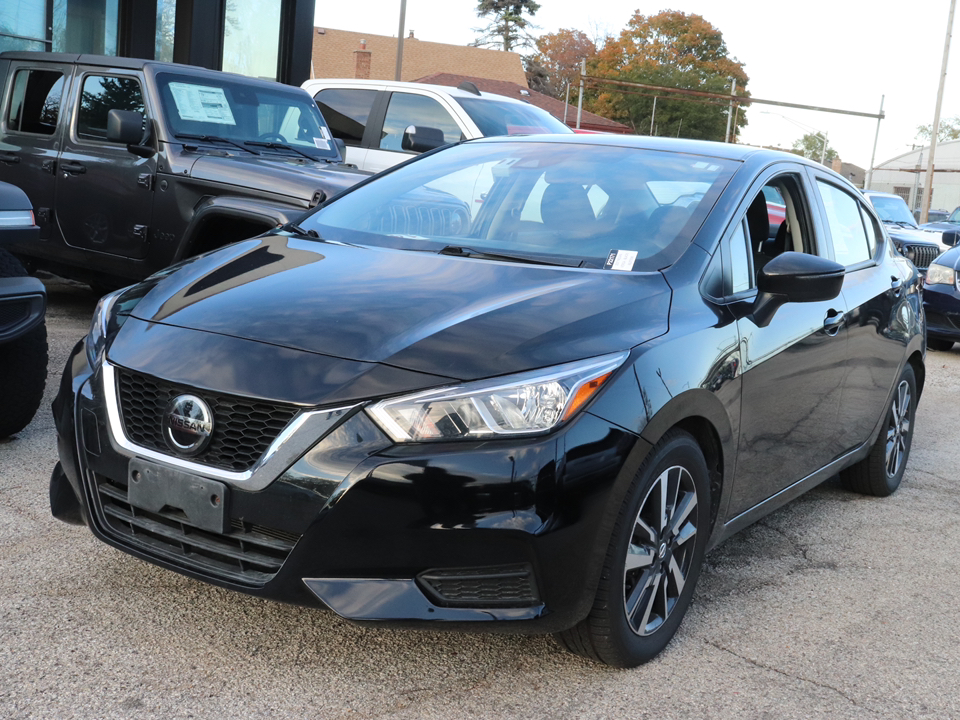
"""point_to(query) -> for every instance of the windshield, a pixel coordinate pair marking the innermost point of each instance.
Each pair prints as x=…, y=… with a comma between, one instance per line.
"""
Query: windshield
x=247, y=114
x=494, y=117
x=954, y=216
x=574, y=204
x=892, y=209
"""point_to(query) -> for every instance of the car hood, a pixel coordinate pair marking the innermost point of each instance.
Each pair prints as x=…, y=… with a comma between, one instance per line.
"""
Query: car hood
x=453, y=317
x=911, y=235
x=280, y=174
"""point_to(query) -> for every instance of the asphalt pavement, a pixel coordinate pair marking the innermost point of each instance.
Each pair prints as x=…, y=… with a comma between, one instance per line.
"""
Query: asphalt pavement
x=836, y=606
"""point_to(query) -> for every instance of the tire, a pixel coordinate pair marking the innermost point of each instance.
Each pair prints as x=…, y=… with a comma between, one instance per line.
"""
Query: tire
x=23, y=366
x=938, y=344
x=882, y=470
x=639, y=604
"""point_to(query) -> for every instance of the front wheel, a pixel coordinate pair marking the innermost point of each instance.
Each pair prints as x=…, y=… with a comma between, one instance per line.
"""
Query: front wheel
x=882, y=470
x=653, y=561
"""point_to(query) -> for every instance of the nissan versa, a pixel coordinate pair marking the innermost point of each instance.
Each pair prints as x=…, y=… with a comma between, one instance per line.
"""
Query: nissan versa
x=516, y=384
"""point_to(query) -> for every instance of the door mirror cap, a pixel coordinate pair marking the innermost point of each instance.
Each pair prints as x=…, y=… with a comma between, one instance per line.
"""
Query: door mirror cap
x=422, y=138
x=795, y=277
x=129, y=128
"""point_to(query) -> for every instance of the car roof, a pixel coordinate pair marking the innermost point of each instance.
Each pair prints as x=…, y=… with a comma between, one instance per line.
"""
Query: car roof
x=401, y=85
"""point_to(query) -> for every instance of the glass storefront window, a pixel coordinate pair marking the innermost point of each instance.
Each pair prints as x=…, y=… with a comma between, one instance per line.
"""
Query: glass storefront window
x=22, y=25
x=166, y=20
x=85, y=26
x=251, y=38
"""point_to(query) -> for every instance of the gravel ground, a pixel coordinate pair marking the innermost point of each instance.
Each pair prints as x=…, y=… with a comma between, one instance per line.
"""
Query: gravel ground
x=836, y=606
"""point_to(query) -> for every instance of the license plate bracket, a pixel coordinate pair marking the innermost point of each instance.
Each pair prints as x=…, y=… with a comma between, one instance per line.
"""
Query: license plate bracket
x=152, y=487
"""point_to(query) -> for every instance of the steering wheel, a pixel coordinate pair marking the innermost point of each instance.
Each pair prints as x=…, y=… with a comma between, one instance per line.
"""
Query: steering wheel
x=272, y=137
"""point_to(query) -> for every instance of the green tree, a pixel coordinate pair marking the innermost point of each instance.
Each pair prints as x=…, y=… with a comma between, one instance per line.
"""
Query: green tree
x=508, y=26
x=670, y=49
x=811, y=146
x=559, y=55
x=949, y=130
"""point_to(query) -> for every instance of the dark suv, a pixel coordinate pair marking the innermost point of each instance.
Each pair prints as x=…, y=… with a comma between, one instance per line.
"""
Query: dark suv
x=133, y=164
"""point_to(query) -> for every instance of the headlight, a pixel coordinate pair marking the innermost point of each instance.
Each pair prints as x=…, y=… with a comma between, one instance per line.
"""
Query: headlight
x=940, y=275
x=532, y=402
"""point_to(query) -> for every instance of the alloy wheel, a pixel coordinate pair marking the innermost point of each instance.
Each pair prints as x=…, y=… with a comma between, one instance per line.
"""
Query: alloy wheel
x=661, y=549
x=898, y=431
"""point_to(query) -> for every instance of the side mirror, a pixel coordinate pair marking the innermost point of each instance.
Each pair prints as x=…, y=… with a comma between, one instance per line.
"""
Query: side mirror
x=795, y=277
x=128, y=128
x=421, y=138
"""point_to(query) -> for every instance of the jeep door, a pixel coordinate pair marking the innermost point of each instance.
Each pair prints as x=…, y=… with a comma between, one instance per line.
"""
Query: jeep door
x=33, y=118
x=104, y=192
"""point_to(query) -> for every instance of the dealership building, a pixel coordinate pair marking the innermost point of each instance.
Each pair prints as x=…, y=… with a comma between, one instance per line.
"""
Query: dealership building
x=261, y=38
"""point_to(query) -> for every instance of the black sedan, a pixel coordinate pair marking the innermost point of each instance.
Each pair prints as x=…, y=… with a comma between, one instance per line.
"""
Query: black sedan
x=941, y=301
x=516, y=384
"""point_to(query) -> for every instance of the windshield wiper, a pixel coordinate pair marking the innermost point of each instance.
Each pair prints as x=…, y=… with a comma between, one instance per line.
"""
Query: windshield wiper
x=459, y=251
x=281, y=146
x=297, y=230
x=213, y=138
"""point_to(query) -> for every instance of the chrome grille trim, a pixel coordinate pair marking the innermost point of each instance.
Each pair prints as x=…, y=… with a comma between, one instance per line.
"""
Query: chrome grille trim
x=303, y=432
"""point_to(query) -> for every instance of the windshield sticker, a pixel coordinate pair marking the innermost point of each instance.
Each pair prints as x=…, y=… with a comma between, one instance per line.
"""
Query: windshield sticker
x=325, y=132
x=620, y=260
x=202, y=103
x=321, y=144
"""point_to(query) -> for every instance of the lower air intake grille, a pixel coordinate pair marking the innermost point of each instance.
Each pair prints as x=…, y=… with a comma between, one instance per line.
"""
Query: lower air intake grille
x=12, y=313
x=500, y=586
x=247, y=554
x=242, y=428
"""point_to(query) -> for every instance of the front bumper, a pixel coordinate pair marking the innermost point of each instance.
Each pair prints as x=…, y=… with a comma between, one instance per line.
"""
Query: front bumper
x=496, y=535
x=941, y=305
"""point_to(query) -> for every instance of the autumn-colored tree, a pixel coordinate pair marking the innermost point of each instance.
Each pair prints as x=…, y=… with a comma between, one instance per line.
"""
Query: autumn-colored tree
x=814, y=146
x=670, y=49
x=508, y=27
x=559, y=54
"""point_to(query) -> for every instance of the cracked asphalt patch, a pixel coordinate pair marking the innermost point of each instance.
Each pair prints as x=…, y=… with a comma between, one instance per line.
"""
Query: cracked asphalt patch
x=837, y=606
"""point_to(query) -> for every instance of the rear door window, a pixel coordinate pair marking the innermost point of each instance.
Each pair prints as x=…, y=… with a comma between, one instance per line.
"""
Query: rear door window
x=35, y=101
x=346, y=111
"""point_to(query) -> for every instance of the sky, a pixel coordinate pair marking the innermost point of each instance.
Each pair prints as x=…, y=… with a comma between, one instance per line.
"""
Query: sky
x=843, y=54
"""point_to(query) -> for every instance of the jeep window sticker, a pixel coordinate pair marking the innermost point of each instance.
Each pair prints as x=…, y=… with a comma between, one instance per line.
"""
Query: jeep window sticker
x=202, y=103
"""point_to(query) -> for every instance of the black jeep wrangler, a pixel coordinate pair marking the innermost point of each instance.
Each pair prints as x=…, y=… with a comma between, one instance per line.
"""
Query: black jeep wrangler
x=133, y=164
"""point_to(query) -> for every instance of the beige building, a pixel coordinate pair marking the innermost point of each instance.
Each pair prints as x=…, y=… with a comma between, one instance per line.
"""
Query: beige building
x=345, y=54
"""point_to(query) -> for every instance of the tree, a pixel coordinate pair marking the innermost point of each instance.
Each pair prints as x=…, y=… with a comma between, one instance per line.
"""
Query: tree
x=671, y=49
x=949, y=130
x=559, y=54
x=508, y=28
x=811, y=146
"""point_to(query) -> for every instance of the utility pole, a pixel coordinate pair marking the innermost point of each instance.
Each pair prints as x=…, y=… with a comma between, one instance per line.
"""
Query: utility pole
x=566, y=104
x=733, y=94
x=653, y=115
x=583, y=74
x=403, y=13
x=873, y=155
x=823, y=148
x=935, y=128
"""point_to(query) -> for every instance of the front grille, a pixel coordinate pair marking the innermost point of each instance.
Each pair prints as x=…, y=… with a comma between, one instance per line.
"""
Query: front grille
x=248, y=554
x=499, y=586
x=922, y=255
x=242, y=428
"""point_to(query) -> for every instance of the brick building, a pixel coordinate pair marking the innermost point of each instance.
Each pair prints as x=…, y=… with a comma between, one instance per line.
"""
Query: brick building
x=338, y=54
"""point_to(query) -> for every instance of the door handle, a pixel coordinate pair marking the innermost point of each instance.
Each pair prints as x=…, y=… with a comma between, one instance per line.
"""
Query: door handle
x=896, y=284
x=73, y=168
x=833, y=322
x=11, y=158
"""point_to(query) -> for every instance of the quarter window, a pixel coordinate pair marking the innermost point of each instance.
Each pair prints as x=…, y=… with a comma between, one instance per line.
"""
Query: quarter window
x=101, y=94
x=346, y=112
x=850, y=242
x=406, y=110
x=35, y=101
x=741, y=277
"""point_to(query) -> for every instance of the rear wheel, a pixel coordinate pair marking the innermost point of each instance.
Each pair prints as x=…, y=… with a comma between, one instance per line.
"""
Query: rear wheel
x=653, y=561
x=23, y=366
x=882, y=470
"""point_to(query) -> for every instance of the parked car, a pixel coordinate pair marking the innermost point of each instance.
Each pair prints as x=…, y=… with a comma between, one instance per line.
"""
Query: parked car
x=133, y=164
x=384, y=123
x=537, y=418
x=23, y=302
x=948, y=227
x=941, y=301
x=933, y=216
x=918, y=246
